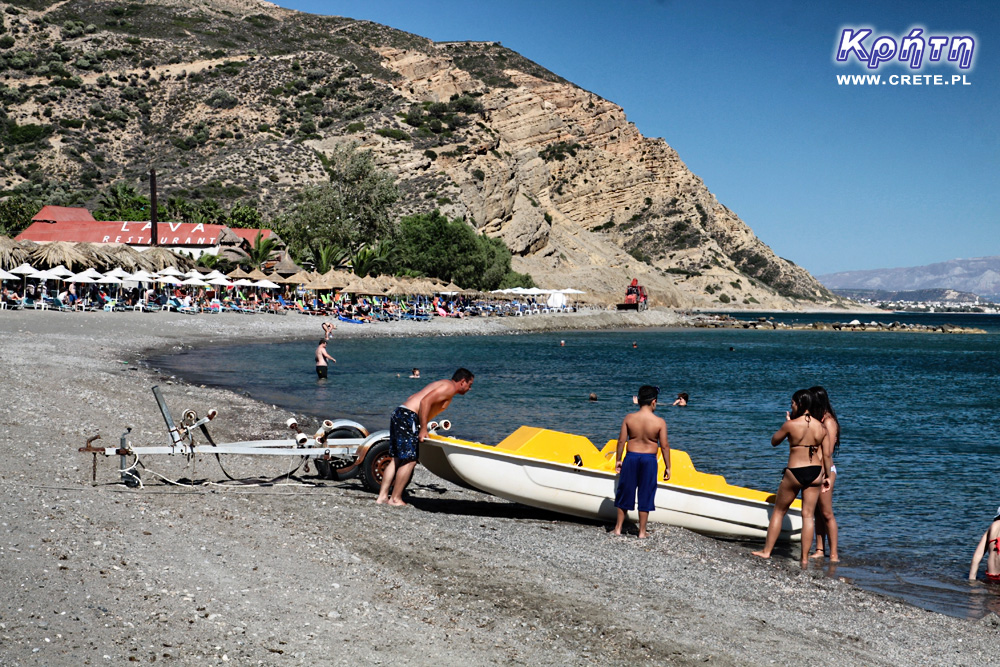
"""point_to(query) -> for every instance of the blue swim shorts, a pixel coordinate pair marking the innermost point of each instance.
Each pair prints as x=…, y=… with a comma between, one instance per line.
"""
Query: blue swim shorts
x=403, y=433
x=638, y=471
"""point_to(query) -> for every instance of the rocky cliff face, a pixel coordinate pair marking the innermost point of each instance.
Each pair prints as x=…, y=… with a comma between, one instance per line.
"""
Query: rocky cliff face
x=576, y=192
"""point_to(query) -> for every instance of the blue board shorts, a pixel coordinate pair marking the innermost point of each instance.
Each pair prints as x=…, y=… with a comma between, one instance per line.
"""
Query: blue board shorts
x=638, y=472
x=404, y=430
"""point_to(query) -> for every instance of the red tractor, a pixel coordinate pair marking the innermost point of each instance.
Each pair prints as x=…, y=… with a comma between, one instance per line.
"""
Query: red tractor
x=635, y=297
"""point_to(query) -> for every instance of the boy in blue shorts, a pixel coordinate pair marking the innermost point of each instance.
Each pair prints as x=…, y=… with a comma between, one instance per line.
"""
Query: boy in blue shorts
x=642, y=432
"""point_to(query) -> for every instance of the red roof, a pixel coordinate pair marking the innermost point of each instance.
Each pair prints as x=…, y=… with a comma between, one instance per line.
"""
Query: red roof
x=250, y=235
x=62, y=214
x=131, y=233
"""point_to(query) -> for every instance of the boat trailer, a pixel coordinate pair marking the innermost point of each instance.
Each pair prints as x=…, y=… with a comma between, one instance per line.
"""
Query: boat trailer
x=340, y=450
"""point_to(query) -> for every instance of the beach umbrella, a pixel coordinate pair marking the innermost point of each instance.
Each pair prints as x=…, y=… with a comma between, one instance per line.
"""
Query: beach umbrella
x=570, y=290
x=220, y=281
x=169, y=271
x=110, y=280
x=118, y=272
x=266, y=283
x=142, y=276
x=24, y=269
x=237, y=274
x=214, y=274
x=58, y=253
x=193, y=273
x=60, y=270
x=8, y=276
x=243, y=282
x=257, y=274
x=197, y=282
x=91, y=272
x=81, y=278
x=168, y=280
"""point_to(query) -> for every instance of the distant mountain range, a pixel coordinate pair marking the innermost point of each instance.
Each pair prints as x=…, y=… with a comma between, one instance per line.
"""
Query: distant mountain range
x=938, y=294
x=980, y=276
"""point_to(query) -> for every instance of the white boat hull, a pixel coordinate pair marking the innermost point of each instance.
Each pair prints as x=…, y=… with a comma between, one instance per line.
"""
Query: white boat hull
x=590, y=493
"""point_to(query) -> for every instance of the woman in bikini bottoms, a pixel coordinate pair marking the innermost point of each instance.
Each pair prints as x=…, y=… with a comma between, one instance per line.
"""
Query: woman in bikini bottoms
x=826, y=523
x=806, y=472
x=988, y=543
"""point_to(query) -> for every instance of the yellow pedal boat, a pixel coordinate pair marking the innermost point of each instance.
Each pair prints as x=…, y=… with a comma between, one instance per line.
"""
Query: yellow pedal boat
x=567, y=473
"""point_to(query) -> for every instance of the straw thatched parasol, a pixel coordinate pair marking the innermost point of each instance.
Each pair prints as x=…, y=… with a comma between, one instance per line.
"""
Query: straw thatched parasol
x=257, y=274
x=237, y=274
x=161, y=258
x=59, y=252
x=11, y=253
x=300, y=278
x=100, y=255
x=130, y=258
x=285, y=265
x=338, y=279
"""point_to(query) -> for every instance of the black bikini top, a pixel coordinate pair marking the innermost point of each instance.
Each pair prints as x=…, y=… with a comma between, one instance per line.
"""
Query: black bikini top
x=812, y=448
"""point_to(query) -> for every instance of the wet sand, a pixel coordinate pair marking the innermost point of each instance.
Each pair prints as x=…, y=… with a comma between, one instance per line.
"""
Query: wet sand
x=294, y=574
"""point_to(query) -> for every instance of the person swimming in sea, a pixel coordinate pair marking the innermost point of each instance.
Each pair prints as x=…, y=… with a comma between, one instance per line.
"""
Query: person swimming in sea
x=806, y=472
x=989, y=543
x=682, y=400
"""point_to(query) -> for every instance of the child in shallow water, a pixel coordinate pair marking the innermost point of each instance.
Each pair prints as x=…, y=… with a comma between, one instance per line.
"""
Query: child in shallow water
x=989, y=543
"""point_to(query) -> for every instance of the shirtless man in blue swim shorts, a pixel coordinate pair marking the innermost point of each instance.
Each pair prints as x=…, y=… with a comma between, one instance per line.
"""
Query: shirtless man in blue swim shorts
x=408, y=429
x=643, y=432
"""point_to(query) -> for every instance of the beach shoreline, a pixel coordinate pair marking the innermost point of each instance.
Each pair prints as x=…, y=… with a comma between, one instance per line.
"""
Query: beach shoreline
x=294, y=574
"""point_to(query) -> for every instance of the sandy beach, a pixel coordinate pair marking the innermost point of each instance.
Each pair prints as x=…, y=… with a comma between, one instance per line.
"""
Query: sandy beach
x=295, y=574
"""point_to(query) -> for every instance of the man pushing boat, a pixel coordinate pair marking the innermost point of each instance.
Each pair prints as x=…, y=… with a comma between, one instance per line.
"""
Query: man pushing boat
x=643, y=432
x=408, y=428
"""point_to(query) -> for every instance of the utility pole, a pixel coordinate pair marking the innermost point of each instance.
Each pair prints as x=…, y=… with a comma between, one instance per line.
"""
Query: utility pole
x=152, y=214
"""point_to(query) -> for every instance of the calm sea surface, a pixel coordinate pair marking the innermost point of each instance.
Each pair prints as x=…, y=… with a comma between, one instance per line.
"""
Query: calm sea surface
x=920, y=417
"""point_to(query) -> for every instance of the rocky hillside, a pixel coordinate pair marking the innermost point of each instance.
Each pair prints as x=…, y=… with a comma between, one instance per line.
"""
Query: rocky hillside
x=242, y=100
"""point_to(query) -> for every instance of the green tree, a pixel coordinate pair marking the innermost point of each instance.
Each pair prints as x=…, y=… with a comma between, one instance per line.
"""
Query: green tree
x=353, y=210
x=15, y=214
x=451, y=250
x=245, y=216
x=261, y=251
x=123, y=202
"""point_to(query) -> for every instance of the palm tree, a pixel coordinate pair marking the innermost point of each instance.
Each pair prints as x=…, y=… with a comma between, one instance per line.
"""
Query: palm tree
x=261, y=251
x=373, y=260
x=122, y=202
x=326, y=257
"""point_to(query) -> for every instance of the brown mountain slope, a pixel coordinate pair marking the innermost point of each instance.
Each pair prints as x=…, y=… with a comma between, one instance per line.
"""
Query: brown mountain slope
x=240, y=99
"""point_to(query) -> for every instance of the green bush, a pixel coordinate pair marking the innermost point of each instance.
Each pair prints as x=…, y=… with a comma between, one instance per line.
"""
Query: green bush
x=220, y=98
x=478, y=174
x=393, y=133
x=431, y=154
x=559, y=151
x=355, y=127
x=724, y=298
x=6, y=42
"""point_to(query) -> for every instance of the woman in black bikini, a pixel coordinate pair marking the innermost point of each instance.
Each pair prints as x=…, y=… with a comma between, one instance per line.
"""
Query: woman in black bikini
x=806, y=472
x=826, y=523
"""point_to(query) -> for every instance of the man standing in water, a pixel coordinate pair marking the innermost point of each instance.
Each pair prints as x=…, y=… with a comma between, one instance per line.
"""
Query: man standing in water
x=644, y=432
x=408, y=429
x=321, y=357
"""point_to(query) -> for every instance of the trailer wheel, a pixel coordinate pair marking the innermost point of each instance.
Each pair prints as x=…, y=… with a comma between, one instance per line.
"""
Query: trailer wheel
x=326, y=469
x=373, y=467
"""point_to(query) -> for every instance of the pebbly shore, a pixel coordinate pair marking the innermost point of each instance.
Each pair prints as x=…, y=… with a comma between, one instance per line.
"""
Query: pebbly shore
x=292, y=574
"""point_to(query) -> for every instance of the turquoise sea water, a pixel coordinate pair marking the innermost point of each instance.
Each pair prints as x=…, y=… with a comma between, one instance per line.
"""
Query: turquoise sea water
x=919, y=413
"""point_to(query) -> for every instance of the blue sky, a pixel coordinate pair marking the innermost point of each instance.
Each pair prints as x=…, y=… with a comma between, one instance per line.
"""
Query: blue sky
x=832, y=177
